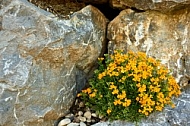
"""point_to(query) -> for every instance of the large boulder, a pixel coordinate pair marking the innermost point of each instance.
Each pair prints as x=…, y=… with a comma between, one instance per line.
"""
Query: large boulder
x=165, y=37
x=161, y=5
x=44, y=61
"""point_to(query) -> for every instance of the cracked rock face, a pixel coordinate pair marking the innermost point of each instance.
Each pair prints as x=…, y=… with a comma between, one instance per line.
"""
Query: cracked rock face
x=160, y=5
x=165, y=37
x=44, y=61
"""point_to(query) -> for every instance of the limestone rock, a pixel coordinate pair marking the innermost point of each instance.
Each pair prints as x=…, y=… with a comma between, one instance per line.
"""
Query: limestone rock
x=44, y=61
x=165, y=37
x=64, y=122
x=160, y=5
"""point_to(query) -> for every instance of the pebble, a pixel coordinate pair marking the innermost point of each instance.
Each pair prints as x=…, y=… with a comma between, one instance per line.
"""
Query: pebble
x=82, y=124
x=69, y=115
x=82, y=119
x=81, y=104
x=73, y=124
x=87, y=115
x=88, y=120
x=80, y=113
x=94, y=115
x=64, y=122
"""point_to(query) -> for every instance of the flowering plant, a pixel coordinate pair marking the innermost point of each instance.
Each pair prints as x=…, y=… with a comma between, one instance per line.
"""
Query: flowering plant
x=130, y=86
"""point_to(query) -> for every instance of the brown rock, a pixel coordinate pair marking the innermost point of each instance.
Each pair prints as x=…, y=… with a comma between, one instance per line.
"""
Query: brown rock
x=163, y=36
x=160, y=5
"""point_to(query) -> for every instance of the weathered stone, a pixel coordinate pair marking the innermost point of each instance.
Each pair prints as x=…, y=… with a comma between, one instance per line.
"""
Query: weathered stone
x=44, y=61
x=73, y=124
x=160, y=5
x=165, y=37
x=94, y=1
x=87, y=115
x=64, y=122
x=82, y=124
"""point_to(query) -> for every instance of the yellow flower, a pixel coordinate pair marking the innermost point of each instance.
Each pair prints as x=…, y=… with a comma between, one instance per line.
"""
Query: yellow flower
x=122, y=95
x=142, y=88
x=109, y=111
x=115, y=91
x=88, y=90
x=100, y=59
x=78, y=95
x=159, y=108
x=126, y=103
x=112, y=87
x=92, y=95
x=117, y=102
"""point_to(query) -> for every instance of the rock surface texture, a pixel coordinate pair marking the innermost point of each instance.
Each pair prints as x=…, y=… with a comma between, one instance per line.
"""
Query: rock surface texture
x=44, y=61
x=165, y=37
x=160, y=5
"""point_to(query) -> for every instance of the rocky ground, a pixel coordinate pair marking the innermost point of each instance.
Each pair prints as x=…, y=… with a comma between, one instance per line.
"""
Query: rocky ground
x=80, y=115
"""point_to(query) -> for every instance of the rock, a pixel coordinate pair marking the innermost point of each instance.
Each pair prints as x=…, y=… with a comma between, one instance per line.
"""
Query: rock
x=82, y=124
x=165, y=37
x=64, y=122
x=45, y=61
x=94, y=115
x=70, y=115
x=80, y=113
x=81, y=104
x=94, y=1
x=82, y=119
x=73, y=124
x=160, y=5
x=88, y=120
x=87, y=115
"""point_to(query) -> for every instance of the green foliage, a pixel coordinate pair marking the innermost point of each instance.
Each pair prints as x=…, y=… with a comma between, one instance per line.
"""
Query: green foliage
x=130, y=87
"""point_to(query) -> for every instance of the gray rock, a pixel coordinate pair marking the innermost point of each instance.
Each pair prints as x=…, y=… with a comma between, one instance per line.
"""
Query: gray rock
x=73, y=124
x=160, y=5
x=64, y=122
x=44, y=61
x=82, y=124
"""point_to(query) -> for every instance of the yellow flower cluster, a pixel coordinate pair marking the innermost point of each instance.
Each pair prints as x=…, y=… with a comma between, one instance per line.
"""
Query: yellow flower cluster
x=121, y=97
x=142, y=69
x=89, y=92
x=131, y=83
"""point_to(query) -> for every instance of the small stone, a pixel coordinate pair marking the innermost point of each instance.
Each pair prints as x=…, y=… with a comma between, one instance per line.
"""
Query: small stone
x=93, y=120
x=81, y=104
x=73, y=124
x=64, y=122
x=82, y=124
x=88, y=120
x=94, y=115
x=76, y=101
x=76, y=119
x=69, y=115
x=80, y=113
x=100, y=116
x=87, y=115
x=83, y=119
